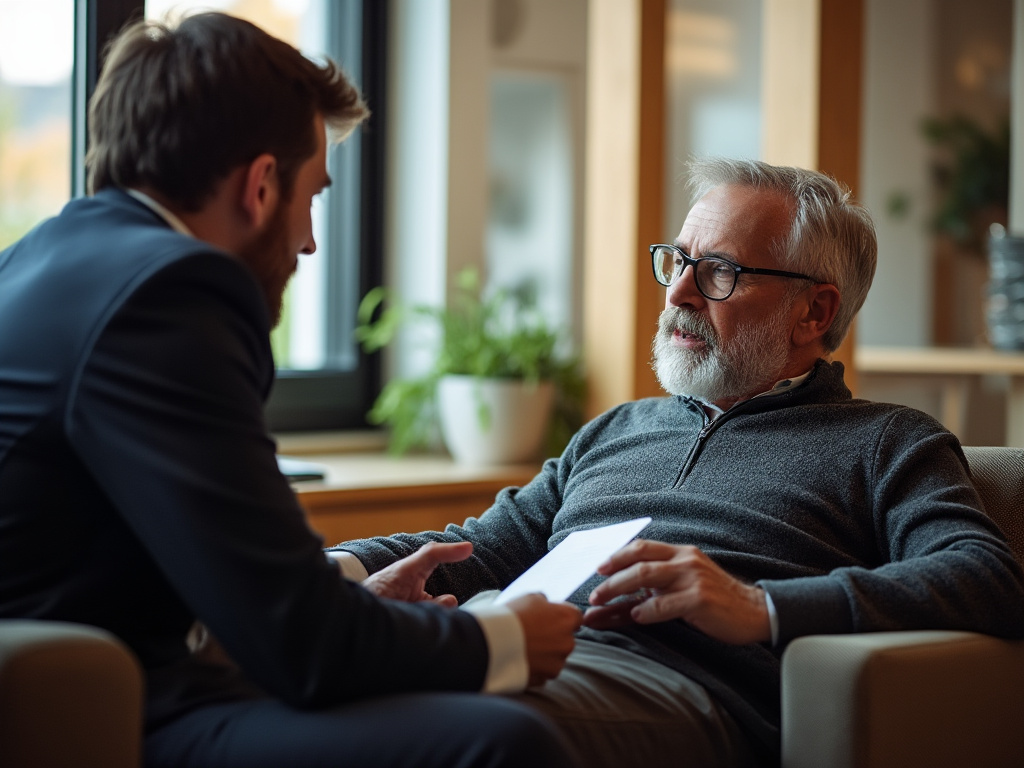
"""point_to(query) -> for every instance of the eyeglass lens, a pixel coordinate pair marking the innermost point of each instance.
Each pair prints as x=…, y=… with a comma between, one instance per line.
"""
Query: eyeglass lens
x=715, y=279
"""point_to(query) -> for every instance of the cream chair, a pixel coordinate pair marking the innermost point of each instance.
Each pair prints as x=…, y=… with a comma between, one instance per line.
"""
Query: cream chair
x=70, y=695
x=914, y=699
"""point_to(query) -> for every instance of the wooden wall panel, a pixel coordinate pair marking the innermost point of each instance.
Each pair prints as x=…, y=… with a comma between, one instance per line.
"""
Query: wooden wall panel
x=344, y=513
x=650, y=297
x=624, y=196
x=841, y=55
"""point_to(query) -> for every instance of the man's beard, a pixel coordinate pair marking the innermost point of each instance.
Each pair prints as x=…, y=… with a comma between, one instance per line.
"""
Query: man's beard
x=270, y=260
x=754, y=358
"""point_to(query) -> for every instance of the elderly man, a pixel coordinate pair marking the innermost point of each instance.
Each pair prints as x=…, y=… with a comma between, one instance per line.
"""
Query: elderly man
x=780, y=505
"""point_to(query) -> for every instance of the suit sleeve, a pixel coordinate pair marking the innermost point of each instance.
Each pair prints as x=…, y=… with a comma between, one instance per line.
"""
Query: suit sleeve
x=167, y=414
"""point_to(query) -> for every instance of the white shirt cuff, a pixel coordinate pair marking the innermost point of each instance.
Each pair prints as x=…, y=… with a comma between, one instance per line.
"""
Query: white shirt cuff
x=507, y=670
x=351, y=566
x=773, y=617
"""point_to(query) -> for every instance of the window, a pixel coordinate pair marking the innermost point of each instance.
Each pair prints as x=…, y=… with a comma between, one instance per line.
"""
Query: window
x=324, y=381
x=36, y=38
x=530, y=225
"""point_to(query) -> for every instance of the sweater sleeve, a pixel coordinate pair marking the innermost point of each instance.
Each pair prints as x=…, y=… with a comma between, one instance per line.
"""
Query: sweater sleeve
x=943, y=564
x=507, y=539
x=167, y=416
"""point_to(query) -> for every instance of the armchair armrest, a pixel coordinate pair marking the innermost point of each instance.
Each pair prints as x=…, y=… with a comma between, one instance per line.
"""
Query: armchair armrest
x=902, y=699
x=69, y=695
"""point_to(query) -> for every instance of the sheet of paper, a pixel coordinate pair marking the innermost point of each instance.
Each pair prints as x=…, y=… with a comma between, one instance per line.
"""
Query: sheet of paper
x=562, y=570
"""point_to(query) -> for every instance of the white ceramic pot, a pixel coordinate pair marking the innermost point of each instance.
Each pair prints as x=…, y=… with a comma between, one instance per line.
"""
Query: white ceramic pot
x=493, y=421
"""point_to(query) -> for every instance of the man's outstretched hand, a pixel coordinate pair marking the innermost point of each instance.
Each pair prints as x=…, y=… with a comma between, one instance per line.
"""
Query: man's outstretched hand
x=658, y=582
x=405, y=580
x=548, y=629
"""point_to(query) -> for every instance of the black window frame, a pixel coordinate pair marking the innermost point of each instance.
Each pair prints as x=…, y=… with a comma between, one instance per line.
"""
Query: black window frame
x=328, y=399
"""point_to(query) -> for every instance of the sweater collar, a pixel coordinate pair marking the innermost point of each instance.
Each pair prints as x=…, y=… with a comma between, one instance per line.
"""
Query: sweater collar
x=783, y=385
x=823, y=383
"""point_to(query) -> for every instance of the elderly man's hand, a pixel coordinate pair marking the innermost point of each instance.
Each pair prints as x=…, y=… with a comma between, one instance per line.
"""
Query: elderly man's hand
x=657, y=582
x=405, y=580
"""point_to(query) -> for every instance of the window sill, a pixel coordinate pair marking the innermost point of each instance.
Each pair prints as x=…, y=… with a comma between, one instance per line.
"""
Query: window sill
x=370, y=493
x=331, y=442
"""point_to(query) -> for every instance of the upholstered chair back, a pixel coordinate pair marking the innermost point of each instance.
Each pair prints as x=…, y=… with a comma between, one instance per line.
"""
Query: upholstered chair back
x=998, y=474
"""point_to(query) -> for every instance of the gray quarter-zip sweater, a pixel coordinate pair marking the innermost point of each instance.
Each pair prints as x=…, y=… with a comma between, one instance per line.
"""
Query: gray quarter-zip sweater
x=854, y=516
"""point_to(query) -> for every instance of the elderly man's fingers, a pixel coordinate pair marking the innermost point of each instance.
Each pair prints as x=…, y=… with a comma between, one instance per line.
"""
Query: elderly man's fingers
x=613, y=616
x=656, y=575
x=658, y=608
x=637, y=551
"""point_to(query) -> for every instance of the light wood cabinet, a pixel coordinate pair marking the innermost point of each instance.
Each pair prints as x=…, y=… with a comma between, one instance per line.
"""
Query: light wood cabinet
x=377, y=495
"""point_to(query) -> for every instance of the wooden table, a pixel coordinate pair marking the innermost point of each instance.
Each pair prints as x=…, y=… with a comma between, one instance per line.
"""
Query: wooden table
x=952, y=369
x=373, y=494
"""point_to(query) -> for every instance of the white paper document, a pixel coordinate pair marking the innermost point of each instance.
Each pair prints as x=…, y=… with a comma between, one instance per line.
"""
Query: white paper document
x=562, y=570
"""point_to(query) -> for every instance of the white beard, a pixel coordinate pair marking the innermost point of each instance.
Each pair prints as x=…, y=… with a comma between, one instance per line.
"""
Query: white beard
x=756, y=356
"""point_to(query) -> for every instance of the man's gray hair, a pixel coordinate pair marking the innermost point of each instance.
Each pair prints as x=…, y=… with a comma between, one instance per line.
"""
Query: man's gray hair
x=832, y=238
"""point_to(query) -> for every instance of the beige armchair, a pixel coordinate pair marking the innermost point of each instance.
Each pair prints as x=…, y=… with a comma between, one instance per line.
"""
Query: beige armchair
x=70, y=695
x=909, y=699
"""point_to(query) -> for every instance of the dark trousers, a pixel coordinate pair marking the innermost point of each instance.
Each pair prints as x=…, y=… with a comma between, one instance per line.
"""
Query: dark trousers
x=446, y=730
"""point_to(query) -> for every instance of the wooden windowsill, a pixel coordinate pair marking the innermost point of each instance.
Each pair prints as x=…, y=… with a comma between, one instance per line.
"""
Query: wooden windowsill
x=372, y=493
x=951, y=361
x=951, y=370
x=336, y=442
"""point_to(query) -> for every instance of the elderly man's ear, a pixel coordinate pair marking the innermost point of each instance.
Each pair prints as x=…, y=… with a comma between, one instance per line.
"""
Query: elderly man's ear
x=818, y=307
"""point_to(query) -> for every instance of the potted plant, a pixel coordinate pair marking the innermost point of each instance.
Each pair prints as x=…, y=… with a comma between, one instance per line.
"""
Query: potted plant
x=972, y=177
x=499, y=389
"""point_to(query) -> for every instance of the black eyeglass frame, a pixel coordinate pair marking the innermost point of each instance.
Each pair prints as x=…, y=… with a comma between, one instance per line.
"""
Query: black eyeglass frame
x=738, y=270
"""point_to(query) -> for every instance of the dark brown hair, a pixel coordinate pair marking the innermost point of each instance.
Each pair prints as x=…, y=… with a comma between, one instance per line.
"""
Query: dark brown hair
x=178, y=108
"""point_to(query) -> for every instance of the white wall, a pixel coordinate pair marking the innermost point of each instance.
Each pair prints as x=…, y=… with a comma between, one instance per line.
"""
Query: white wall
x=536, y=153
x=442, y=59
x=713, y=83
x=899, y=92
x=416, y=236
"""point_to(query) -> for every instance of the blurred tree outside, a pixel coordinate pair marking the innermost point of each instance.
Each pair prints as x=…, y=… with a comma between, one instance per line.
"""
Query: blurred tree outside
x=35, y=165
x=35, y=112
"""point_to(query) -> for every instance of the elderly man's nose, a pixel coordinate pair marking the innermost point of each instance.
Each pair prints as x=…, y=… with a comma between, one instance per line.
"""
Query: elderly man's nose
x=683, y=290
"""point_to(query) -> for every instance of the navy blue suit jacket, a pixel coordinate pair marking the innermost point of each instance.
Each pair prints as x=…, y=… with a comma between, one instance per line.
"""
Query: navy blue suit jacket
x=138, y=484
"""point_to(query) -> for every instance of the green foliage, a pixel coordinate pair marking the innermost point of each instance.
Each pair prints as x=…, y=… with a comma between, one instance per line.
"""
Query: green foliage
x=974, y=178
x=281, y=334
x=500, y=336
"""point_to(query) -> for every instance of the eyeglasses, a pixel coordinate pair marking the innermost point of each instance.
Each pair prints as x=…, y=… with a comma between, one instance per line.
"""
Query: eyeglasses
x=715, y=277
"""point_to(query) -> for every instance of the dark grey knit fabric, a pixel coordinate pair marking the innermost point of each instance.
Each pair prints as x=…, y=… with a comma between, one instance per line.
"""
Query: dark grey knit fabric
x=854, y=516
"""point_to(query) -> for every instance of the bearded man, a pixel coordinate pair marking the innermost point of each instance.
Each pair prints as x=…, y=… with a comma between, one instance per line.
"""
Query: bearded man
x=780, y=506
